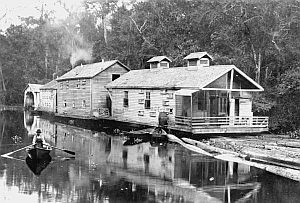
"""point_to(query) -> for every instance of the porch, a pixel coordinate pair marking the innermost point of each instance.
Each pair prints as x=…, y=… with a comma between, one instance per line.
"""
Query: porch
x=216, y=111
x=227, y=124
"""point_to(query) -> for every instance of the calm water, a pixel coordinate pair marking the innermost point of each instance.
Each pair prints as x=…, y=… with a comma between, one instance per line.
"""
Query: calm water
x=104, y=170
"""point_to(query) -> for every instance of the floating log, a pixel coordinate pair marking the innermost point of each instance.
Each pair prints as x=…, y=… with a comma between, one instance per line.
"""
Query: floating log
x=278, y=170
x=208, y=147
x=188, y=146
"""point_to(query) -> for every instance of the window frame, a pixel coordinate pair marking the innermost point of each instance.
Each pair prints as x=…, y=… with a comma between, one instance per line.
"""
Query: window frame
x=148, y=100
x=126, y=99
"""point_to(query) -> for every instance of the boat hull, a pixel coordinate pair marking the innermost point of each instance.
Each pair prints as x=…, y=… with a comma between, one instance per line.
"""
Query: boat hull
x=38, y=152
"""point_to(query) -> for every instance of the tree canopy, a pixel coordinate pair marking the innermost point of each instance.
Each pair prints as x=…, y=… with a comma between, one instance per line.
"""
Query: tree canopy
x=259, y=37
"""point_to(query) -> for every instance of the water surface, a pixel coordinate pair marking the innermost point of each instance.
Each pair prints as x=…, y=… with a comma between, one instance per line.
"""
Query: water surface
x=104, y=170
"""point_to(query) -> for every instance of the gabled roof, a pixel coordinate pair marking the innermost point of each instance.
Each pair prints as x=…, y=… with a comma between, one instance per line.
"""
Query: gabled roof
x=89, y=70
x=50, y=85
x=197, y=55
x=158, y=59
x=175, y=78
x=33, y=87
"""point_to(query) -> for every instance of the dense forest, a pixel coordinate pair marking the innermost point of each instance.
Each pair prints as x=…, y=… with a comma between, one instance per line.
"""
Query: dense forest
x=262, y=38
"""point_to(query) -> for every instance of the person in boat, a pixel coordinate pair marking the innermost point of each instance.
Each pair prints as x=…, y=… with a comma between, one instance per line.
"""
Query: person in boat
x=39, y=140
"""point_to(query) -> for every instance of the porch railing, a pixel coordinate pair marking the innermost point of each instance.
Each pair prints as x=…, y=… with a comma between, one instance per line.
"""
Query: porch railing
x=246, y=121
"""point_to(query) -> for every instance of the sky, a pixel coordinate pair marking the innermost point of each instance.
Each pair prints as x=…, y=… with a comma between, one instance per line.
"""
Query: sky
x=13, y=9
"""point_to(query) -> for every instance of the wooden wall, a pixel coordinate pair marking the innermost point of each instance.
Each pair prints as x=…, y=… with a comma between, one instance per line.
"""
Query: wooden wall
x=47, y=100
x=161, y=101
x=99, y=92
x=74, y=96
x=93, y=93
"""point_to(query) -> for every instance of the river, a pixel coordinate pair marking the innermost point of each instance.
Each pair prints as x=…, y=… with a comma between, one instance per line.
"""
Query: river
x=106, y=170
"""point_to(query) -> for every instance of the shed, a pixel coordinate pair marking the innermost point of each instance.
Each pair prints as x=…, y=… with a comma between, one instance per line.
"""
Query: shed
x=81, y=91
x=32, y=96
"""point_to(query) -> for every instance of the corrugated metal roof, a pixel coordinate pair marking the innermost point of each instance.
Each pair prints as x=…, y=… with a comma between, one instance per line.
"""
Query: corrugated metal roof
x=50, y=85
x=179, y=77
x=89, y=70
x=158, y=59
x=197, y=55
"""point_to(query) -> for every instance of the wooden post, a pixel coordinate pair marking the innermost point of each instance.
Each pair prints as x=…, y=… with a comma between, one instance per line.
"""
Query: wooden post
x=91, y=93
x=231, y=100
x=191, y=111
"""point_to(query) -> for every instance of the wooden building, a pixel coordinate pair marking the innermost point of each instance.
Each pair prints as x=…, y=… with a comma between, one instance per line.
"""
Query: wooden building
x=81, y=91
x=198, y=98
x=32, y=96
x=48, y=97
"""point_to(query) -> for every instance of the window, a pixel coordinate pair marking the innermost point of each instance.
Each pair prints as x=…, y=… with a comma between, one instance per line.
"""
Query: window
x=83, y=83
x=78, y=84
x=170, y=96
x=147, y=100
x=164, y=64
x=61, y=85
x=115, y=76
x=125, y=100
x=140, y=113
x=165, y=103
x=65, y=103
x=153, y=65
x=141, y=101
x=67, y=84
x=203, y=61
x=83, y=103
x=73, y=104
x=202, y=101
x=193, y=62
x=152, y=113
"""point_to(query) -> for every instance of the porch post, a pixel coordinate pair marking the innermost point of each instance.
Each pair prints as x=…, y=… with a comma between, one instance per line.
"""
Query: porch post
x=191, y=110
x=231, y=101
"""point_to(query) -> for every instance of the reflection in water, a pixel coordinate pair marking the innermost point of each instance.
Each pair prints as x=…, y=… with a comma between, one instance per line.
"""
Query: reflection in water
x=106, y=170
x=37, y=165
x=31, y=122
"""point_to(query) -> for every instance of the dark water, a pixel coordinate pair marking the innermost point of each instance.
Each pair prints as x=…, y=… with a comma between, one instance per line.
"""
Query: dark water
x=104, y=170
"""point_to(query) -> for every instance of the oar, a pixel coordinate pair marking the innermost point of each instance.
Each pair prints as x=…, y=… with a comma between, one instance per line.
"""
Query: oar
x=10, y=153
x=67, y=151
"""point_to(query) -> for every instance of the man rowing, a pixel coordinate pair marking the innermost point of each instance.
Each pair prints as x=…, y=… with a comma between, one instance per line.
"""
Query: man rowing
x=38, y=139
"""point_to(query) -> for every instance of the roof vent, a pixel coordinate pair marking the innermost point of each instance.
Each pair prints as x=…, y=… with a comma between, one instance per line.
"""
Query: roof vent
x=200, y=59
x=159, y=62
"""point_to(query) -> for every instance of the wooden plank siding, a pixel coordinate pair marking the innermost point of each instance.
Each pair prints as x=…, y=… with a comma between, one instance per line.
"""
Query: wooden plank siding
x=85, y=96
x=99, y=92
x=69, y=93
x=47, y=100
x=160, y=101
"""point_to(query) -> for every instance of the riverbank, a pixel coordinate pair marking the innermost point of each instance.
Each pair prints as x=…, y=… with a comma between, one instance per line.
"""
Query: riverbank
x=278, y=154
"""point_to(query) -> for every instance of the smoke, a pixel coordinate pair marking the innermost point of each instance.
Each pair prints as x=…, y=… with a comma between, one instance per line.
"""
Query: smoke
x=81, y=55
x=73, y=45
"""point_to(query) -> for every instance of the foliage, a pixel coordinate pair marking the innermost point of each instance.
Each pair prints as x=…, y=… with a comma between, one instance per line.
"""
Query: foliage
x=259, y=37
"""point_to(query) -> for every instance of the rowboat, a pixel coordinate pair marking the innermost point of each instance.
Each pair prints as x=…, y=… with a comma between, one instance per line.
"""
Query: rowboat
x=35, y=152
x=38, y=165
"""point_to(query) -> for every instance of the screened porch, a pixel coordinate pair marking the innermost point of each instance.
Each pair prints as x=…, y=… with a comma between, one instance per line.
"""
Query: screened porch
x=216, y=111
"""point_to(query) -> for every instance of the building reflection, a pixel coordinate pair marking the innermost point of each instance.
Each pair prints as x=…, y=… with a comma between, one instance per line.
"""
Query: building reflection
x=31, y=122
x=105, y=170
